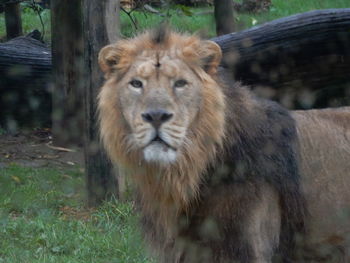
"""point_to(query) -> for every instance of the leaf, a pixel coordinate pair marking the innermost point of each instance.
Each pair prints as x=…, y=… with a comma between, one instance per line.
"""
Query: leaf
x=185, y=10
x=16, y=179
x=254, y=21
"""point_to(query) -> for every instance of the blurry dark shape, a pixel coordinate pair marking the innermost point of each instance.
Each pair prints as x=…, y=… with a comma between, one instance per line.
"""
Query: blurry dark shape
x=13, y=19
x=252, y=6
x=44, y=3
x=25, y=70
x=68, y=70
x=223, y=12
x=101, y=27
x=35, y=34
x=304, y=51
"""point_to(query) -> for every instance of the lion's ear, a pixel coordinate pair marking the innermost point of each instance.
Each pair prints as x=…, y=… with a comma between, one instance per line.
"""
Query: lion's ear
x=115, y=57
x=108, y=58
x=210, y=54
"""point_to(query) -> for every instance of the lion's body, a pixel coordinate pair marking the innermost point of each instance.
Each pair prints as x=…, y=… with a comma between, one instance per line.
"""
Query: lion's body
x=216, y=169
x=324, y=138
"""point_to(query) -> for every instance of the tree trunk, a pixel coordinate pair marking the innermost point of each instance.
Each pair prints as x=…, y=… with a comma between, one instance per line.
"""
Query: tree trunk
x=68, y=65
x=223, y=12
x=101, y=28
x=304, y=59
x=13, y=20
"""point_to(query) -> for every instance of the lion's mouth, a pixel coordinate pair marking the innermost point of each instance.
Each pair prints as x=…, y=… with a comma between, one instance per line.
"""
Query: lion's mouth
x=159, y=151
x=158, y=140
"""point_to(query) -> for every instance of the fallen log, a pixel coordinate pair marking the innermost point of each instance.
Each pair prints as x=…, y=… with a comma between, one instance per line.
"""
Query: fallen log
x=25, y=75
x=304, y=59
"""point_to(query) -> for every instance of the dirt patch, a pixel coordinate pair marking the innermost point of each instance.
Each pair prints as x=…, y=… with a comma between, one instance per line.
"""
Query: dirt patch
x=35, y=149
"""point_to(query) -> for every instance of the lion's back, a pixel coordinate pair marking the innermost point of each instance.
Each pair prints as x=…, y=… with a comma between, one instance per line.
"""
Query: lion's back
x=324, y=141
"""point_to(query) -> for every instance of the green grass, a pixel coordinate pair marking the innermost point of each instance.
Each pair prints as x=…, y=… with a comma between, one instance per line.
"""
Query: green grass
x=204, y=24
x=30, y=21
x=43, y=219
x=282, y=8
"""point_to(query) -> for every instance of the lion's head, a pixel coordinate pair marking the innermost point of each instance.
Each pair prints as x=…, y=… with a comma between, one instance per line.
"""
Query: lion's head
x=160, y=104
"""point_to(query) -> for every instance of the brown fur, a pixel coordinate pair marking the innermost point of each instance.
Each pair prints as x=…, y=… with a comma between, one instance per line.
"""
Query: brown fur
x=234, y=191
x=324, y=138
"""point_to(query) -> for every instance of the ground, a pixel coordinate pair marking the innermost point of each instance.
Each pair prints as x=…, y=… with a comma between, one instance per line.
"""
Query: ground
x=43, y=212
x=34, y=149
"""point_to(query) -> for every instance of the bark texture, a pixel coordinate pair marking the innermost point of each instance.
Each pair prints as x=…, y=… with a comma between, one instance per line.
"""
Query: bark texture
x=13, y=20
x=303, y=60
x=100, y=28
x=68, y=70
x=224, y=19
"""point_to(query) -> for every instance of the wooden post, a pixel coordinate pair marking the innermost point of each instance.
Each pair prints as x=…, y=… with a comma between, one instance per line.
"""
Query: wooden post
x=223, y=12
x=101, y=24
x=68, y=66
x=13, y=20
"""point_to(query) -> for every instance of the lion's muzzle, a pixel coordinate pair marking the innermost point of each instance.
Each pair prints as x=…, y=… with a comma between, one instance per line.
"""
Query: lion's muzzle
x=158, y=150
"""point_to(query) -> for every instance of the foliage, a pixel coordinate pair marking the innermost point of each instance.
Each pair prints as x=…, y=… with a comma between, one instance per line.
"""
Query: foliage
x=201, y=19
x=176, y=17
x=32, y=5
x=43, y=219
x=168, y=9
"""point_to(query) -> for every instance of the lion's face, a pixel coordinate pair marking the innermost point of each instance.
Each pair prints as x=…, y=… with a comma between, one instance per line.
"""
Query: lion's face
x=160, y=98
x=155, y=93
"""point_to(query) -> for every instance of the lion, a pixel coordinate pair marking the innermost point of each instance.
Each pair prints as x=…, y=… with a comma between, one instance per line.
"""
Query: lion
x=221, y=175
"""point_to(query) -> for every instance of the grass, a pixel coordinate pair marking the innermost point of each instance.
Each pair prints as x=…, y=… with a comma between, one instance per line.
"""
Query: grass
x=202, y=23
x=30, y=21
x=43, y=219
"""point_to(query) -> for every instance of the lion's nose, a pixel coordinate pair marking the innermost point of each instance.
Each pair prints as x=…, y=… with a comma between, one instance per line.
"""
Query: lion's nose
x=156, y=117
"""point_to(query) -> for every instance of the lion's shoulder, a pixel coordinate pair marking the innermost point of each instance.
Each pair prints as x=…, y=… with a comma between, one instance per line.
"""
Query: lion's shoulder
x=326, y=118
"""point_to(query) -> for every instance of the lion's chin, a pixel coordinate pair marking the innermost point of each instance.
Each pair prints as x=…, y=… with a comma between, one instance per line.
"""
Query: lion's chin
x=159, y=153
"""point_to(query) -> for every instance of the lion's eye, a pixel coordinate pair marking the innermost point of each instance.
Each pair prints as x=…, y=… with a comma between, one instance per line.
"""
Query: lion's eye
x=180, y=83
x=136, y=83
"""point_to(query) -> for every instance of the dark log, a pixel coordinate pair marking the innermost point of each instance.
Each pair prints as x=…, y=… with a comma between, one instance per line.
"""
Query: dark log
x=13, y=19
x=100, y=29
x=68, y=71
x=305, y=56
x=25, y=73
